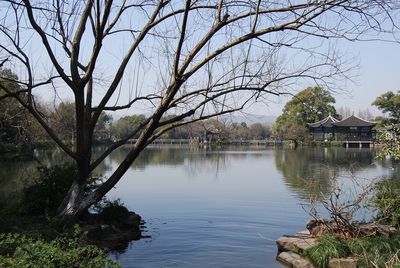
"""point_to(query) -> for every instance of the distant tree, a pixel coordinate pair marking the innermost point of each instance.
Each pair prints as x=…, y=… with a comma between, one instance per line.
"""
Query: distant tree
x=14, y=121
x=366, y=114
x=309, y=105
x=389, y=102
x=214, y=130
x=259, y=131
x=344, y=112
x=63, y=121
x=124, y=126
x=238, y=131
x=102, y=130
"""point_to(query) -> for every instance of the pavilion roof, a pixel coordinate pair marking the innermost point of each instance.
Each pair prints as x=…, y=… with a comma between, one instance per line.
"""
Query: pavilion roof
x=326, y=122
x=354, y=121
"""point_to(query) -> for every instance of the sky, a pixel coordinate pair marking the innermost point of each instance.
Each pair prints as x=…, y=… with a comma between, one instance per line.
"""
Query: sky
x=379, y=65
x=379, y=72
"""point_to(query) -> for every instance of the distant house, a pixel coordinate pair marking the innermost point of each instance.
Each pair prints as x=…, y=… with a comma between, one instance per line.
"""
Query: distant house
x=323, y=130
x=349, y=130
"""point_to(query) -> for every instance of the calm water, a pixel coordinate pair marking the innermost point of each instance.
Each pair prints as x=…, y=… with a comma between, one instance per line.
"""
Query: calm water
x=222, y=208
x=226, y=208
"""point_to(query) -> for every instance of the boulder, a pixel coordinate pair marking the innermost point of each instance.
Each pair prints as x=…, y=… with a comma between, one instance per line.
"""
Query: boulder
x=303, y=263
x=288, y=258
x=294, y=260
x=132, y=220
x=289, y=243
x=110, y=236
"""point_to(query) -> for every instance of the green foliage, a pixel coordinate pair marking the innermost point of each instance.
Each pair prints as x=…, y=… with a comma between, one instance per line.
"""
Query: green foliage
x=63, y=121
x=113, y=211
x=375, y=251
x=17, y=251
x=327, y=247
x=387, y=200
x=310, y=105
x=47, y=191
x=387, y=192
x=369, y=251
x=13, y=118
x=390, y=138
x=126, y=125
x=389, y=102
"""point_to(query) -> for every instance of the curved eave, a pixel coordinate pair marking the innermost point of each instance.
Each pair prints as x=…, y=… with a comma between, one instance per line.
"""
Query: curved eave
x=326, y=122
x=354, y=121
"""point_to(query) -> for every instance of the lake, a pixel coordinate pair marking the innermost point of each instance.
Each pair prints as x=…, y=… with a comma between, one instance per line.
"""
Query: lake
x=224, y=207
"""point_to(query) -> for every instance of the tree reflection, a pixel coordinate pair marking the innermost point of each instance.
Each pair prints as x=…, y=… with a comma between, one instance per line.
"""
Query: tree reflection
x=311, y=172
x=153, y=155
x=194, y=160
x=17, y=173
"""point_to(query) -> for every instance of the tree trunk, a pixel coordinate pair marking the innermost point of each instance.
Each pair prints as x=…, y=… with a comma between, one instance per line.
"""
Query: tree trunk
x=70, y=205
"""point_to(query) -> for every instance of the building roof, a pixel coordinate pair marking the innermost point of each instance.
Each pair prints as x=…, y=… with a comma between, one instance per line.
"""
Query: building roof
x=354, y=121
x=326, y=122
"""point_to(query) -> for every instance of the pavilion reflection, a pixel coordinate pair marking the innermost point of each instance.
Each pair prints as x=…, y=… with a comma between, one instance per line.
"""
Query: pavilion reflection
x=312, y=172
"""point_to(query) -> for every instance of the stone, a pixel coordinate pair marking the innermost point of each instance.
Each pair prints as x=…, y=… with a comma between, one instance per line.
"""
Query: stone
x=288, y=257
x=132, y=220
x=289, y=243
x=94, y=230
x=343, y=263
x=294, y=260
x=303, y=263
x=303, y=233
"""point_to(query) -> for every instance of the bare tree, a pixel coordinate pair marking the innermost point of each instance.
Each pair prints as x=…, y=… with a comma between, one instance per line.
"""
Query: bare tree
x=196, y=59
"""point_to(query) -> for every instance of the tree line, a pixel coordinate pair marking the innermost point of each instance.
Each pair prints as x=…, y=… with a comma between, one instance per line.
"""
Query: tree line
x=315, y=103
x=19, y=129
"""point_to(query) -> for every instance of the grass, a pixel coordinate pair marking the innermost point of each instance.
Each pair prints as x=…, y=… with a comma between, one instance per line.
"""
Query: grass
x=369, y=251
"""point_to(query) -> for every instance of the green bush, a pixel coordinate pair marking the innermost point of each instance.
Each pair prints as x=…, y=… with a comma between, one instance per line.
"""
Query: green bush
x=387, y=200
x=113, y=211
x=369, y=251
x=47, y=191
x=22, y=251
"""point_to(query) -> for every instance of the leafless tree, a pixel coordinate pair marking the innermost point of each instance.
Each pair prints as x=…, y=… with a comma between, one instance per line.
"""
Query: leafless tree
x=196, y=59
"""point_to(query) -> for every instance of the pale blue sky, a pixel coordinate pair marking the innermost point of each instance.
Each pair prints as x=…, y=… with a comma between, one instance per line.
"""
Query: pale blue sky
x=379, y=72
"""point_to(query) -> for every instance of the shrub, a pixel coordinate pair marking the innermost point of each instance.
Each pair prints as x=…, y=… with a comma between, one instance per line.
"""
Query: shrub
x=22, y=251
x=327, y=247
x=113, y=212
x=387, y=200
x=47, y=191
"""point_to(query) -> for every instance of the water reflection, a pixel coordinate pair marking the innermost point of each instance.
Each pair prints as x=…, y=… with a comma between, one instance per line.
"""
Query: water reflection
x=214, y=208
x=194, y=160
x=311, y=172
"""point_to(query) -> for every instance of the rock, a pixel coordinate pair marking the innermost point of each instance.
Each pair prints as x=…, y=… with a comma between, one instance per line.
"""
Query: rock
x=294, y=260
x=303, y=233
x=132, y=220
x=115, y=236
x=288, y=257
x=343, y=263
x=289, y=243
x=303, y=263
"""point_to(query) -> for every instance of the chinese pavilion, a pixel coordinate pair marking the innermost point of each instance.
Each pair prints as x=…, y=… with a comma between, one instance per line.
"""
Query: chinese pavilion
x=349, y=130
